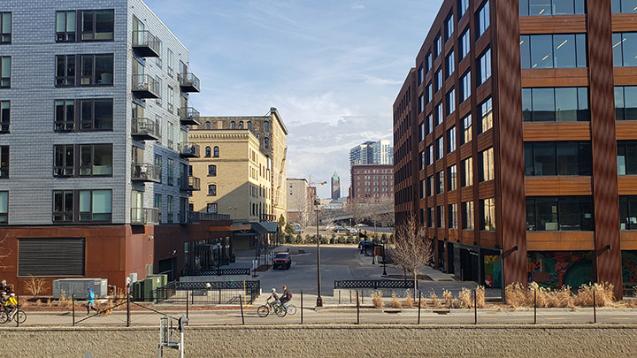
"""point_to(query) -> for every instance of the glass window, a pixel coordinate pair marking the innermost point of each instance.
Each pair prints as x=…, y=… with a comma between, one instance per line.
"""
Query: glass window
x=466, y=129
x=467, y=215
x=566, y=104
x=551, y=7
x=212, y=190
x=429, y=92
x=212, y=170
x=452, y=176
x=452, y=213
x=430, y=123
x=525, y=51
x=555, y=104
x=96, y=159
x=626, y=158
x=421, y=75
x=4, y=161
x=624, y=6
x=463, y=6
x=421, y=103
x=5, y=116
x=557, y=158
x=487, y=221
x=553, y=51
x=439, y=115
x=541, y=51
x=438, y=46
x=62, y=206
x=440, y=217
x=451, y=140
x=65, y=26
x=626, y=103
x=563, y=50
x=428, y=62
x=449, y=27
x=97, y=25
x=627, y=212
x=5, y=27
x=96, y=114
x=465, y=86
x=450, y=102
x=483, y=19
x=63, y=160
x=560, y=214
x=486, y=115
x=487, y=171
x=438, y=80
x=95, y=205
x=450, y=64
x=467, y=173
x=440, y=182
x=440, y=148
x=464, y=44
x=5, y=72
x=4, y=207
x=484, y=67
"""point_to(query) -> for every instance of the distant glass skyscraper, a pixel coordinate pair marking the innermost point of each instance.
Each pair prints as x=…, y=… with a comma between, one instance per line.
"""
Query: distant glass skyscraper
x=336, y=187
x=372, y=153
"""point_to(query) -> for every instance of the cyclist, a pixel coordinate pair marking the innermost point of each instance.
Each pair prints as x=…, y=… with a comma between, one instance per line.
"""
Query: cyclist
x=287, y=295
x=274, y=296
x=11, y=305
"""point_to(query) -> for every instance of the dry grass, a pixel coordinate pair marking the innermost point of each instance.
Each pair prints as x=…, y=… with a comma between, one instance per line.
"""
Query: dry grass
x=465, y=299
x=64, y=301
x=603, y=292
x=35, y=286
x=447, y=296
x=409, y=301
x=377, y=299
x=395, y=302
x=519, y=296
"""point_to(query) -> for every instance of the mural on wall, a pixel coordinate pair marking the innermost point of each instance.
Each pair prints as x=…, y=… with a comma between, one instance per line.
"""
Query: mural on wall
x=629, y=268
x=492, y=271
x=561, y=268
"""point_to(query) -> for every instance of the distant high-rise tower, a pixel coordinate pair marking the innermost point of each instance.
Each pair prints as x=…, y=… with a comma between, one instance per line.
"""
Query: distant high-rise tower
x=336, y=187
x=372, y=153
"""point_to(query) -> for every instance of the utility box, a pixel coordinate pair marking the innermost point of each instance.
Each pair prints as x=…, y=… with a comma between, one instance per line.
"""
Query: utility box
x=79, y=287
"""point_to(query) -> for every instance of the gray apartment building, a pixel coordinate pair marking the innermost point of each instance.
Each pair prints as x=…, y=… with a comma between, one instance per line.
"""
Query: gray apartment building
x=378, y=152
x=94, y=99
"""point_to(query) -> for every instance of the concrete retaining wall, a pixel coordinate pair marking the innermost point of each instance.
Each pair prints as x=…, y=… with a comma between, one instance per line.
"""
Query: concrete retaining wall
x=330, y=341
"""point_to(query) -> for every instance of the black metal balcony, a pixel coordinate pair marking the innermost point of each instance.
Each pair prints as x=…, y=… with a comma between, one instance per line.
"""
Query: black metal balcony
x=203, y=216
x=189, y=82
x=189, y=150
x=145, y=216
x=142, y=172
x=146, y=86
x=145, y=129
x=146, y=44
x=189, y=116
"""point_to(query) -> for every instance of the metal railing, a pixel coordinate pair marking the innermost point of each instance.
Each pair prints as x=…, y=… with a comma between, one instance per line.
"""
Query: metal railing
x=189, y=150
x=145, y=86
x=216, y=292
x=373, y=284
x=145, y=172
x=147, y=43
x=143, y=216
x=146, y=128
x=189, y=115
x=189, y=82
x=227, y=271
x=203, y=216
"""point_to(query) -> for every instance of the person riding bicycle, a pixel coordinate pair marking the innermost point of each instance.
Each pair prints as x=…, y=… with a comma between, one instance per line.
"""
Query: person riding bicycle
x=10, y=303
x=287, y=295
x=274, y=296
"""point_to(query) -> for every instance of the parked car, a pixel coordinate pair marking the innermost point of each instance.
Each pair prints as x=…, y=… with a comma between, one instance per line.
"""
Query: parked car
x=282, y=260
x=297, y=229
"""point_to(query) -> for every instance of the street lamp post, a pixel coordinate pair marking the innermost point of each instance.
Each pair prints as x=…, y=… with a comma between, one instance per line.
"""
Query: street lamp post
x=384, y=258
x=319, y=299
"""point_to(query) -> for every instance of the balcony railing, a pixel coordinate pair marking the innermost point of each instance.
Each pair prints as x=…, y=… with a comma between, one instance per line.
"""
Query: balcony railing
x=144, y=216
x=203, y=216
x=145, y=86
x=194, y=184
x=146, y=44
x=188, y=116
x=268, y=217
x=145, y=172
x=189, y=150
x=189, y=82
x=145, y=129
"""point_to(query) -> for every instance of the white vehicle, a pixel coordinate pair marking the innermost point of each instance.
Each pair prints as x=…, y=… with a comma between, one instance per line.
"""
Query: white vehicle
x=296, y=228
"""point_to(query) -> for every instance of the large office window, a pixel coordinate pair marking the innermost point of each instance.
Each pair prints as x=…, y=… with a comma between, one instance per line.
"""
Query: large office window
x=557, y=158
x=421, y=75
x=5, y=116
x=82, y=206
x=451, y=139
x=450, y=102
x=559, y=213
x=484, y=67
x=553, y=51
x=95, y=114
x=452, y=177
x=463, y=6
x=483, y=19
x=440, y=148
x=438, y=80
x=5, y=72
x=626, y=103
x=97, y=25
x=627, y=212
x=428, y=62
x=4, y=207
x=625, y=49
x=421, y=103
x=440, y=216
x=464, y=44
x=551, y=7
x=95, y=70
x=4, y=162
x=487, y=214
x=487, y=165
x=565, y=104
x=467, y=215
x=624, y=6
x=627, y=158
x=452, y=216
x=465, y=86
x=486, y=115
x=450, y=67
x=466, y=179
x=466, y=129
x=439, y=115
x=5, y=27
x=440, y=182
x=51, y=257
x=96, y=159
x=437, y=46
x=65, y=26
x=449, y=27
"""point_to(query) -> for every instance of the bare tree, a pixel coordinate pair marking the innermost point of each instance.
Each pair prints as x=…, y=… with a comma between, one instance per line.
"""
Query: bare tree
x=4, y=253
x=410, y=249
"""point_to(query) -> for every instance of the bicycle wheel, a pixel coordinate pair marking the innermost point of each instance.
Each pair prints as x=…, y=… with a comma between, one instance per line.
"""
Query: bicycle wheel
x=20, y=317
x=280, y=311
x=3, y=317
x=263, y=311
x=291, y=310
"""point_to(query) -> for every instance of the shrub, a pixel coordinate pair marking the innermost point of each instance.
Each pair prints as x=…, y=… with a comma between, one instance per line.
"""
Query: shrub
x=298, y=239
x=64, y=301
x=377, y=299
x=603, y=295
x=447, y=296
x=395, y=303
x=435, y=301
x=466, y=301
x=35, y=286
x=409, y=300
x=481, y=297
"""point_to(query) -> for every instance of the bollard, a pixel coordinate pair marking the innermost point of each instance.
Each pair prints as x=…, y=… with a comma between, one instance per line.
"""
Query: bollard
x=73, y=308
x=475, y=306
x=419, y=304
x=243, y=321
x=339, y=297
x=358, y=310
x=350, y=297
x=594, y=307
x=127, y=310
x=535, y=306
x=187, y=310
x=301, y=307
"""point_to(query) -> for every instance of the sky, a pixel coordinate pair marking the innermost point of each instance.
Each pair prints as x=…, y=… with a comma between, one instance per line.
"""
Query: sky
x=332, y=68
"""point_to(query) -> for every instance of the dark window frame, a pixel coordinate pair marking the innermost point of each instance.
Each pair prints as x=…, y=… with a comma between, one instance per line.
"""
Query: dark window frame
x=5, y=82
x=534, y=215
x=6, y=37
x=5, y=161
x=5, y=116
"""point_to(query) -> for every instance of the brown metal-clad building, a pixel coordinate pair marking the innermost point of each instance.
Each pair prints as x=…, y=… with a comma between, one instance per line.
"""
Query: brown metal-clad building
x=525, y=148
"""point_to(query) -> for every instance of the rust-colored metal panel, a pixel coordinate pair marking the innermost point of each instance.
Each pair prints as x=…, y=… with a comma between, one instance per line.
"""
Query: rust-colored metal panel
x=556, y=131
x=628, y=240
x=555, y=77
x=624, y=22
x=560, y=241
x=627, y=185
x=626, y=76
x=552, y=24
x=626, y=130
x=557, y=186
x=605, y=194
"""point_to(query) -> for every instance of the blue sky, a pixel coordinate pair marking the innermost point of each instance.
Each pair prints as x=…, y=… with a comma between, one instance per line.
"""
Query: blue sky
x=332, y=67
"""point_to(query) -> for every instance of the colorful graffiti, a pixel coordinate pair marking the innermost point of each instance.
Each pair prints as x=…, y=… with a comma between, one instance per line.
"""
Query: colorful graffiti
x=558, y=269
x=492, y=271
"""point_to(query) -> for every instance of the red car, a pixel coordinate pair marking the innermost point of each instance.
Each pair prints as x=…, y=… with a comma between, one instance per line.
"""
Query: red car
x=282, y=260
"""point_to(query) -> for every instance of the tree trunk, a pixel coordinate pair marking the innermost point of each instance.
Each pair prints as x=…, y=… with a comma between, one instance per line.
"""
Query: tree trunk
x=415, y=283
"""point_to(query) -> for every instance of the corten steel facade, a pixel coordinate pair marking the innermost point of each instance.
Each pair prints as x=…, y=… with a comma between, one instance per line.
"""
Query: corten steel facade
x=371, y=183
x=95, y=114
x=525, y=145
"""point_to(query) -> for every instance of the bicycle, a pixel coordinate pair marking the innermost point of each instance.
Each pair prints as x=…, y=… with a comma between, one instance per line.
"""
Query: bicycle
x=276, y=307
x=17, y=315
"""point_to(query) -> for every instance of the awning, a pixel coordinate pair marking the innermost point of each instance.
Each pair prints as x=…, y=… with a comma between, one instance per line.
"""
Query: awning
x=265, y=227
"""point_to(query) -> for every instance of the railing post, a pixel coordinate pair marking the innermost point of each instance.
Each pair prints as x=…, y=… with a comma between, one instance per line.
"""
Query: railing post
x=339, y=296
x=243, y=322
x=594, y=307
x=301, y=307
x=127, y=309
x=475, y=306
x=187, y=305
x=419, y=304
x=535, y=306
x=73, y=308
x=358, y=310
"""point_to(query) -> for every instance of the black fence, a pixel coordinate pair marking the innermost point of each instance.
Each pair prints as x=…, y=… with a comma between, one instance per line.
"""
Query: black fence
x=208, y=293
x=226, y=272
x=373, y=284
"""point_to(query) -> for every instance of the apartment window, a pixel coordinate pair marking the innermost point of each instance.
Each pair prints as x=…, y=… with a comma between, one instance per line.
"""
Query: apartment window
x=440, y=217
x=450, y=102
x=429, y=185
x=450, y=64
x=171, y=135
x=96, y=114
x=96, y=70
x=215, y=152
x=170, y=56
x=626, y=158
x=65, y=26
x=559, y=213
x=64, y=160
x=212, y=170
x=626, y=103
x=484, y=67
x=449, y=27
x=558, y=158
x=487, y=171
x=467, y=173
x=565, y=104
x=627, y=212
x=212, y=190
x=467, y=215
x=465, y=86
x=171, y=172
x=5, y=116
x=451, y=140
x=452, y=175
x=452, y=214
x=4, y=162
x=422, y=132
x=487, y=217
x=440, y=148
x=439, y=115
x=97, y=25
x=157, y=204
x=171, y=208
x=429, y=92
x=96, y=160
x=5, y=72
x=64, y=115
x=421, y=103
x=428, y=62
x=421, y=75
x=486, y=115
x=438, y=80
x=551, y=7
x=430, y=155
x=463, y=6
x=82, y=205
x=430, y=217
x=483, y=19
x=553, y=51
x=438, y=46
x=159, y=166
x=464, y=44
x=624, y=6
x=212, y=208
x=430, y=123
x=4, y=207
x=5, y=27
x=466, y=129
x=171, y=99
